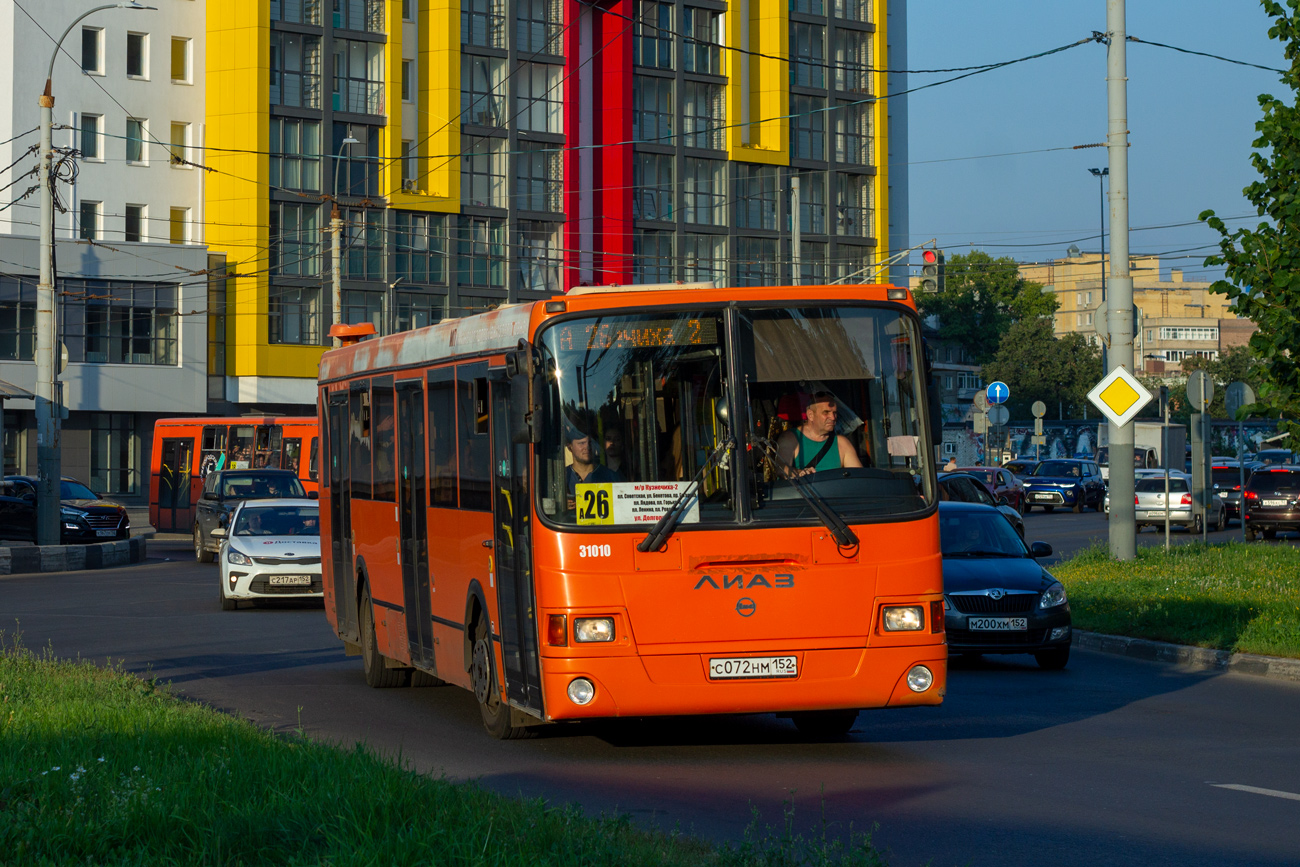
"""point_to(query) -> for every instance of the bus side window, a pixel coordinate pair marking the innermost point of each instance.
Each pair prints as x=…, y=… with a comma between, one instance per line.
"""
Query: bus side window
x=313, y=472
x=385, y=479
x=292, y=453
x=442, y=439
x=212, y=453
x=472, y=422
x=359, y=438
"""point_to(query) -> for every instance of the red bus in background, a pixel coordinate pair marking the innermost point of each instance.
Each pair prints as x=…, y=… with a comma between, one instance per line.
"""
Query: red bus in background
x=185, y=450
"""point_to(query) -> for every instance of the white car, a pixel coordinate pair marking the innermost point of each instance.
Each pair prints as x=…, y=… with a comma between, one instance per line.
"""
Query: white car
x=270, y=550
x=1150, y=474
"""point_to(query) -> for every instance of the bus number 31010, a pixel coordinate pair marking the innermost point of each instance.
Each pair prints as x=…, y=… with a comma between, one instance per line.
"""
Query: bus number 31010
x=593, y=550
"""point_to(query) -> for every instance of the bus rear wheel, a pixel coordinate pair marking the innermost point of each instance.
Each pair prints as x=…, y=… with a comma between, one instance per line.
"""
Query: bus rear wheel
x=824, y=725
x=378, y=675
x=495, y=712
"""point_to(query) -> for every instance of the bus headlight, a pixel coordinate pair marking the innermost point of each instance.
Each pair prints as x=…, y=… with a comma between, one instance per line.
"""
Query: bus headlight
x=903, y=618
x=581, y=691
x=919, y=678
x=593, y=629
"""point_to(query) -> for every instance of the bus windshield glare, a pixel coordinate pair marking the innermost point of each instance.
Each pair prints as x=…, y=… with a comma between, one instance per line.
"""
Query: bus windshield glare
x=638, y=403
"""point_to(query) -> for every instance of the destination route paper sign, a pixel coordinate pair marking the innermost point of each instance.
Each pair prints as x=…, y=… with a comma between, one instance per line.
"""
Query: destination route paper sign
x=632, y=502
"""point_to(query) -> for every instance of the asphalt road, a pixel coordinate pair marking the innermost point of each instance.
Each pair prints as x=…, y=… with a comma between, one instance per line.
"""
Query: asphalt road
x=1112, y=761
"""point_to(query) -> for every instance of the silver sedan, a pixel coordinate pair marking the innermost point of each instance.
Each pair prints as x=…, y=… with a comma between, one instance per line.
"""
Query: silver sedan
x=1150, y=508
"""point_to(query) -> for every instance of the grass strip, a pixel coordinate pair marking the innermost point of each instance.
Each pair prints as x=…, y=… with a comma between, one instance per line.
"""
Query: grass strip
x=1236, y=596
x=98, y=766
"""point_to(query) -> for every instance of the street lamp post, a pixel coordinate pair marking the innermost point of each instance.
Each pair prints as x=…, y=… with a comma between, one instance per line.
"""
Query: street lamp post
x=1101, y=175
x=49, y=464
x=336, y=228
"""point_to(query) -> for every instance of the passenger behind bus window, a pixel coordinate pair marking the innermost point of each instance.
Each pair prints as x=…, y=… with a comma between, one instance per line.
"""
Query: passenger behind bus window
x=804, y=448
x=585, y=469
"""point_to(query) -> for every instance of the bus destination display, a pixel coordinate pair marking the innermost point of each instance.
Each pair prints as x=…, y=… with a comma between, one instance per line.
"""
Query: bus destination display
x=637, y=333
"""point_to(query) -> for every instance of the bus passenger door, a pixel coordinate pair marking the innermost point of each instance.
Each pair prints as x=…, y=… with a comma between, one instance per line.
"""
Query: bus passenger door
x=175, y=508
x=340, y=512
x=412, y=522
x=512, y=550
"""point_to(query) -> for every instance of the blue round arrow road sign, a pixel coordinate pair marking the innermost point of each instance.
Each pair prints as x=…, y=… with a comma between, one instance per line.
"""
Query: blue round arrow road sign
x=997, y=392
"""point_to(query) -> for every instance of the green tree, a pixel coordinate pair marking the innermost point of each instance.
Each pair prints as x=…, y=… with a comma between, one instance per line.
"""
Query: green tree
x=1260, y=264
x=1235, y=364
x=981, y=298
x=1037, y=365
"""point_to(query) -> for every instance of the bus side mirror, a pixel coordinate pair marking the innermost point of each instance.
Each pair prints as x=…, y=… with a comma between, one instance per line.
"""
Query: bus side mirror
x=525, y=390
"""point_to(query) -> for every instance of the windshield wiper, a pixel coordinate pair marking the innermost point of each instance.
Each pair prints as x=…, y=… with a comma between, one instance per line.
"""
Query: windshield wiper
x=664, y=527
x=830, y=519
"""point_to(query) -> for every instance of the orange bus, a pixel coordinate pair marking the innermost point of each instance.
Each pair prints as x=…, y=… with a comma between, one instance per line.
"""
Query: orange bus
x=586, y=507
x=185, y=450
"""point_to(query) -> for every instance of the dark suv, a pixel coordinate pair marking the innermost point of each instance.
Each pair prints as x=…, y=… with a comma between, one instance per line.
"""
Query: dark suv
x=84, y=516
x=1272, y=501
x=225, y=489
x=1065, y=482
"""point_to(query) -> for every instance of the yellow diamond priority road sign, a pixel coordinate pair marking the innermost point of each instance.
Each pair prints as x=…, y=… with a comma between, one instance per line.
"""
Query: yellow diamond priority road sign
x=1119, y=396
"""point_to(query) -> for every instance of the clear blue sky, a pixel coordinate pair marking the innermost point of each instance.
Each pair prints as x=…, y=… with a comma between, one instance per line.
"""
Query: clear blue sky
x=1191, y=121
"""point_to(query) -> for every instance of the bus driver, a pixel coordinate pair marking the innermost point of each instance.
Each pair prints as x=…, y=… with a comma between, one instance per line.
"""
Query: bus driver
x=585, y=469
x=814, y=445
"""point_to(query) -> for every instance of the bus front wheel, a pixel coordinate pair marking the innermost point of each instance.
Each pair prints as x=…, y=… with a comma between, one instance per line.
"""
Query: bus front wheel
x=824, y=725
x=495, y=712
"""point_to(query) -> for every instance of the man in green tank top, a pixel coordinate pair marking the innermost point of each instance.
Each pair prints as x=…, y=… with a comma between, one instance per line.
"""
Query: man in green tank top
x=814, y=446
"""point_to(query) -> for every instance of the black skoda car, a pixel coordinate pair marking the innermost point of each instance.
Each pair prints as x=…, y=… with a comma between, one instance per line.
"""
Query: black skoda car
x=84, y=516
x=999, y=599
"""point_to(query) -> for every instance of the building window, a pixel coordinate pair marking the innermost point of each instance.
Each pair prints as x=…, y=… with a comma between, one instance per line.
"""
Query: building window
x=704, y=191
x=704, y=258
x=652, y=109
x=408, y=80
x=968, y=380
x=812, y=263
x=812, y=203
x=360, y=168
x=295, y=154
x=853, y=205
x=297, y=11
x=652, y=40
x=853, y=10
x=421, y=248
x=419, y=310
x=180, y=60
x=755, y=196
x=537, y=26
x=853, y=61
x=539, y=175
x=358, y=307
x=180, y=144
x=410, y=164
x=755, y=261
x=483, y=171
x=703, y=115
x=134, y=224
x=294, y=315
x=178, y=226
x=539, y=98
x=119, y=322
x=540, y=261
x=363, y=243
x=481, y=252
x=295, y=70
x=358, y=76
x=364, y=15
x=17, y=319
x=91, y=148
x=14, y=450
x=652, y=182
x=408, y=10
x=808, y=127
x=88, y=221
x=92, y=50
x=807, y=54
x=137, y=55
x=135, y=133
x=701, y=40
x=113, y=444
x=295, y=239
x=652, y=256
x=482, y=90
x=483, y=23
x=853, y=134
x=808, y=7
x=1188, y=333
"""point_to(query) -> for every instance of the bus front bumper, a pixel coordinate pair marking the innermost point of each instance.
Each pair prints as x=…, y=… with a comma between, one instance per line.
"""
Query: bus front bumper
x=679, y=684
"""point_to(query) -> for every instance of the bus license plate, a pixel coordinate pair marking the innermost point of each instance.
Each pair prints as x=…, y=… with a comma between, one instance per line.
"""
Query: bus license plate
x=998, y=624
x=753, y=666
x=289, y=579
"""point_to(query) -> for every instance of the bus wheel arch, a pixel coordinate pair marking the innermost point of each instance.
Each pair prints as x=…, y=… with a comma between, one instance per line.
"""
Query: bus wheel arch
x=379, y=675
x=475, y=615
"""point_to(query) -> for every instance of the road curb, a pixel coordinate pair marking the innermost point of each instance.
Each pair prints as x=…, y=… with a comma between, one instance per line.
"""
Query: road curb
x=27, y=559
x=1275, y=667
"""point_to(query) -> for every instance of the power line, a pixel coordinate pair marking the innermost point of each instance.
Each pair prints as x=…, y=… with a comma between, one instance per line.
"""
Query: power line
x=1204, y=54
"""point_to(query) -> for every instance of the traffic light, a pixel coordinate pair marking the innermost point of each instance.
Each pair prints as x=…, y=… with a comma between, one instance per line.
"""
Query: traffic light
x=931, y=270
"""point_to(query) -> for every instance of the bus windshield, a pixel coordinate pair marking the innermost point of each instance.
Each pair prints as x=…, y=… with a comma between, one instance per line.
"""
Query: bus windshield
x=640, y=403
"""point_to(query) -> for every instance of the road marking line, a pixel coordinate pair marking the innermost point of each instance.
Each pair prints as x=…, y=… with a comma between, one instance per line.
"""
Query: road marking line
x=1272, y=793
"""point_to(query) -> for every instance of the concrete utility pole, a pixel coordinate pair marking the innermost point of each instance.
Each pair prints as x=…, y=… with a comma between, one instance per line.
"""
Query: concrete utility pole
x=1119, y=298
x=49, y=464
x=336, y=252
x=796, y=253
